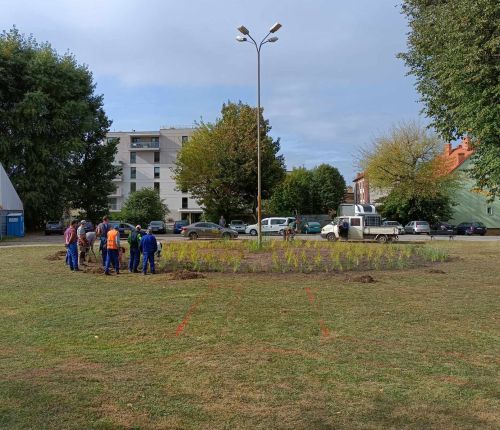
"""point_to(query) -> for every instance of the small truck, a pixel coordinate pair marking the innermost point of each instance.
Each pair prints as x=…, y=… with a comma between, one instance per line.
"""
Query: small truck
x=363, y=224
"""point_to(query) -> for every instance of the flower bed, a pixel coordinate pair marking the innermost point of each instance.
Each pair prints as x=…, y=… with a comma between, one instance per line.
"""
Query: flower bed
x=296, y=256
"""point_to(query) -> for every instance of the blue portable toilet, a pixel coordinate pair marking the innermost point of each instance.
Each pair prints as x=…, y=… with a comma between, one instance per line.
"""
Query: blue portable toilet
x=15, y=224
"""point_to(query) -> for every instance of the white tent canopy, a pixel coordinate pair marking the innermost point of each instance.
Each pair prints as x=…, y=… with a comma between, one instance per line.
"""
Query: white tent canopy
x=9, y=200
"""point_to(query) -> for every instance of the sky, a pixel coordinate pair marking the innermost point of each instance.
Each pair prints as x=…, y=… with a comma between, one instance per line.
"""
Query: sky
x=329, y=85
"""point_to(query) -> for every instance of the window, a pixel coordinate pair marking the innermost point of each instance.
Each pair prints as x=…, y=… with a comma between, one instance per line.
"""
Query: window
x=112, y=204
x=133, y=157
x=133, y=187
x=489, y=210
x=157, y=187
x=356, y=222
x=184, y=139
x=155, y=139
x=184, y=203
x=136, y=139
x=157, y=157
x=133, y=173
x=373, y=221
x=157, y=172
x=277, y=221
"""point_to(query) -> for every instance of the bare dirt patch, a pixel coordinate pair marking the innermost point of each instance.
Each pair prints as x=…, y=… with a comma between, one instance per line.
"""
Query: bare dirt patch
x=364, y=279
x=438, y=271
x=59, y=255
x=183, y=275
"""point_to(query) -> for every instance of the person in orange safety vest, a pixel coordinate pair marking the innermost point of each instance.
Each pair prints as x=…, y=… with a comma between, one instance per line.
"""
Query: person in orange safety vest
x=113, y=247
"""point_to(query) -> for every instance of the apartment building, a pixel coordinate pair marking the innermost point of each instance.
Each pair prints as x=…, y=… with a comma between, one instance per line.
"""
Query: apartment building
x=147, y=159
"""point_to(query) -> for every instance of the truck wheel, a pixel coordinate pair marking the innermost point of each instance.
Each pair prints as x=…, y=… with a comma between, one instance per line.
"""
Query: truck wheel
x=331, y=237
x=382, y=238
x=193, y=236
x=253, y=232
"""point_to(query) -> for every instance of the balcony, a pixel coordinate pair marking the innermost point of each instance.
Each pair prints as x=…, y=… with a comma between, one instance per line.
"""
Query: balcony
x=116, y=193
x=145, y=145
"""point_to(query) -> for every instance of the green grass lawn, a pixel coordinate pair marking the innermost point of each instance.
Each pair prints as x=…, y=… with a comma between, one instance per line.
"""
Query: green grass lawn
x=274, y=351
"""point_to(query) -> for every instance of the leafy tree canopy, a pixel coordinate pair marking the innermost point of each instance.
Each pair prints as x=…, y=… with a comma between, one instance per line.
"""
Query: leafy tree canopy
x=52, y=127
x=319, y=190
x=407, y=167
x=218, y=165
x=453, y=51
x=143, y=206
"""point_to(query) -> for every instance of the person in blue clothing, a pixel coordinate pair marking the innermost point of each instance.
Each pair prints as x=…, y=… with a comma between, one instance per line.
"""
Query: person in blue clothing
x=148, y=247
x=134, y=239
x=102, y=231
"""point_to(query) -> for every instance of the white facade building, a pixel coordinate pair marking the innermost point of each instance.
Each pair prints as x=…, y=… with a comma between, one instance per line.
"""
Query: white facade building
x=147, y=159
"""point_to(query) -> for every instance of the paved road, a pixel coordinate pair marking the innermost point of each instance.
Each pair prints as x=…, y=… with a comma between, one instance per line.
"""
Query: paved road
x=42, y=240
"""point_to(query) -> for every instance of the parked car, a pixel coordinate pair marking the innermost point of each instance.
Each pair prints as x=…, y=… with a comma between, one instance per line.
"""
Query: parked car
x=274, y=225
x=208, y=230
x=472, y=227
x=311, y=227
x=395, y=224
x=179, y=224
x=157, y=227
x=418, y=227
x=54, y=227
x=123, y=227
x=238, y=225
x=441, y=227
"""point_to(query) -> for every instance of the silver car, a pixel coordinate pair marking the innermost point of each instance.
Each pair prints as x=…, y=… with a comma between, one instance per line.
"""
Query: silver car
x=208, y=230
x=418, y=227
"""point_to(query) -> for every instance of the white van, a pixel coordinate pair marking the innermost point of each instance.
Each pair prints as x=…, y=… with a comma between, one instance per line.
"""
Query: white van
x=273, y=225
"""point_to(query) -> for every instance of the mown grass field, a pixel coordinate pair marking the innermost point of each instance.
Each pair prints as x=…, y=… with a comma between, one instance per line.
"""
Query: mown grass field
x=416, y=349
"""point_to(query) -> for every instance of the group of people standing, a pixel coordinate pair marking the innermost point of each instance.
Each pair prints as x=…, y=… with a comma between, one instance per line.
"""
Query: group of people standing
x=79, y=243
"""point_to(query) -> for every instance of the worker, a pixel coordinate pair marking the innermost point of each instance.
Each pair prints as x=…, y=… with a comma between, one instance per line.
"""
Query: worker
x=83, y=245
x=70, y=242
x=112, y=249
x=102, y=231
x=148, y=247
x=134, y=240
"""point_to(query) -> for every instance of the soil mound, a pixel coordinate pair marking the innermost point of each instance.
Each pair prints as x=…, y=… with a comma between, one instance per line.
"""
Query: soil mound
x=364, y=279
x=59, y=255
x=437, y=271
x=185, y=274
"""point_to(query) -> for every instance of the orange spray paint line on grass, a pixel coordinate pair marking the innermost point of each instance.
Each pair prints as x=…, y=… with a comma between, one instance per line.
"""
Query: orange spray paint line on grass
x=180, y=328
x=325, y=331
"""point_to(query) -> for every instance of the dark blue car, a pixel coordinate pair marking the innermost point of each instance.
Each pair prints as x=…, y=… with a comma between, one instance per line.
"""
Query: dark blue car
x=179, y=224
x=470, y=228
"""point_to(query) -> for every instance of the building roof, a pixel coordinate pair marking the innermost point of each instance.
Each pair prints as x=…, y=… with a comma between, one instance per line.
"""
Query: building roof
x=454, y=157
x=9, y=199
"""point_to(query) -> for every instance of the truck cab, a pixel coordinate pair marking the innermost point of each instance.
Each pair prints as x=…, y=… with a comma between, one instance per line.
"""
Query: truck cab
x=359, y=228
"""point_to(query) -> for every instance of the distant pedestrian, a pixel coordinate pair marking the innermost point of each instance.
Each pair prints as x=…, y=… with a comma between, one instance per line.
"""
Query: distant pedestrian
x=134, y=240
x=70, y=242
x=113, y=247
x=148, y=247
x=102, y=231
x=222, y=221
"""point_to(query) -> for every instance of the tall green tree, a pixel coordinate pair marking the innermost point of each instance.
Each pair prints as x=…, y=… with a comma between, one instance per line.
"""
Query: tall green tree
x=315, y=191
x=330, y=187
x=406, y=166
x=454, y=53
x=143, y=206
x=294, y=193
x=92, y=174
x=51, y=121
x=218, y=165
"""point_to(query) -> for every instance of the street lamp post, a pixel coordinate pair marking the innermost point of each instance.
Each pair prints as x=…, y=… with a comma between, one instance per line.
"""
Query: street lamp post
x=244, y=31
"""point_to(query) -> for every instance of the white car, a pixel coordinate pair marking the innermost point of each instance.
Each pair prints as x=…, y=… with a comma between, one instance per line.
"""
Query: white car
x=273, y=225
